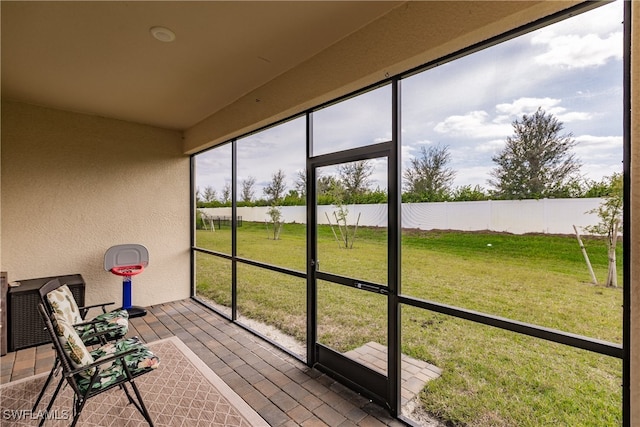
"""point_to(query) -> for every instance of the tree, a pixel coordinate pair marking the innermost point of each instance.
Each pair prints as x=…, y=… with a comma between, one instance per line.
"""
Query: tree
x=226, y=193
x=428, y=178
x=329, y=190
x=209, y=194
x=467, y=193
x=610, y=214
x=301, y=182
x=347, y=236
x=275, y=213
x=292, y=198
x=600, y=188
x=275, y=190
x=355, y=177
x=247, y=189
x=328, y=185
x=537, y=161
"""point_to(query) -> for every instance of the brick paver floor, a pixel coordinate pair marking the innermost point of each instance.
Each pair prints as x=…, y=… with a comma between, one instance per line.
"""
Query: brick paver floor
x=415, y=373
x=283, y=390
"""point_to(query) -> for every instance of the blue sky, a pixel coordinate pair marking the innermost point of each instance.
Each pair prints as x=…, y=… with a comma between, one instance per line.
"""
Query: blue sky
x=572, y=69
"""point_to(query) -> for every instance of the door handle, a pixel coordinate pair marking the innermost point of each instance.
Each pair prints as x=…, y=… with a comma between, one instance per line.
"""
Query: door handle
x=372, y=288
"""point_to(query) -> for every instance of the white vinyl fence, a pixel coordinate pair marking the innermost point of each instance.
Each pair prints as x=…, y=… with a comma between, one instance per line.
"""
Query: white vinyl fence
x=549, y=216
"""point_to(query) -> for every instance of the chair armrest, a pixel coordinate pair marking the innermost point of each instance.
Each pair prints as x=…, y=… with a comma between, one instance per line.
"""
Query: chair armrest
x=110, y=327
x=109, y=359
x=88, y=322
x=84, y=310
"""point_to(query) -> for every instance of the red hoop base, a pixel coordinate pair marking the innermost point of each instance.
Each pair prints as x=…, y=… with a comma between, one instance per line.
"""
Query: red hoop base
x=128, y=270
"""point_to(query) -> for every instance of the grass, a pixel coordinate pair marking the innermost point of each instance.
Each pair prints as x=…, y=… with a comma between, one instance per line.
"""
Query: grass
x=490, y=377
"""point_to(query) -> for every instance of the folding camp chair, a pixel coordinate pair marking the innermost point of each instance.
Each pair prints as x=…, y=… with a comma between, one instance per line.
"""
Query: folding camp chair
x=91, y=373
x=108, y=326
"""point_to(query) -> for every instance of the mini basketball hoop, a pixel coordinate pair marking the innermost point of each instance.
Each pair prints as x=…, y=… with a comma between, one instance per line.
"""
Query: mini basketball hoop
x=127, y=261
x=128, y=270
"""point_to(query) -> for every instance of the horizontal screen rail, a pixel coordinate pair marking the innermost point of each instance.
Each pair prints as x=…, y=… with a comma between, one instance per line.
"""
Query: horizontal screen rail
x=271, y=267
x=353, y=283
x=579, y=341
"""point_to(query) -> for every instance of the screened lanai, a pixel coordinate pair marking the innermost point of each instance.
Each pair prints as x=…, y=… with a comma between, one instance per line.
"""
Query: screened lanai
x=111, y=136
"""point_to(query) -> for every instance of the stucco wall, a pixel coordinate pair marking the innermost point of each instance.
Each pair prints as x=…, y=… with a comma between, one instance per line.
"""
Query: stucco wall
x=74, y=185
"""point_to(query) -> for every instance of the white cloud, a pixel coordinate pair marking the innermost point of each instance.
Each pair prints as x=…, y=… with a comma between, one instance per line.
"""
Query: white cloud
x=493, y=146
x=574, y=51
x=528, y=105
x=590, y=148
x=598, y=171
x=474, y=124
x=385, y=138
x=604, y=19
x=410, y=151
x=474, y=175
x=602, y=141
x=600, y=155
x=480, y=125
x=574, y=116
x=586, y=40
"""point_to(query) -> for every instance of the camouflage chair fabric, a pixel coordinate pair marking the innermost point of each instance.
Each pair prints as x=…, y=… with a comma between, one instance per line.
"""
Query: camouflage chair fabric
x=112, y=325
x=109, y=373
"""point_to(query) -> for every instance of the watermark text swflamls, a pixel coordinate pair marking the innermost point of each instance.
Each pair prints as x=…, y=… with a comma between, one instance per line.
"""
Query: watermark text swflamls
x=28, y=414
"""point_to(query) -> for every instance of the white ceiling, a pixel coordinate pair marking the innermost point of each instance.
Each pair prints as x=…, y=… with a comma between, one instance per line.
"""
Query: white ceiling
x=100, y=58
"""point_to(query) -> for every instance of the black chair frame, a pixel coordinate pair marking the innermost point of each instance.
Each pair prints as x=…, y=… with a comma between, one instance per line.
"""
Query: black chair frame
x=102, y=336
x=68, y=374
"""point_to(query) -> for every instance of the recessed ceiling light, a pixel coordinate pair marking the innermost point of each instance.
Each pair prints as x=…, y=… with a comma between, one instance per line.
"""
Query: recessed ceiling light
x=163, y=34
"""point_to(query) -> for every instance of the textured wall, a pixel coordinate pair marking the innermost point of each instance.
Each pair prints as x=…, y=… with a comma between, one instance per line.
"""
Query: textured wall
x=73, y=185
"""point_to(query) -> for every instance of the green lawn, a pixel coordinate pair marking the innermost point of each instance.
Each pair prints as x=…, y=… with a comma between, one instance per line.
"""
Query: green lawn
x=490, y=377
